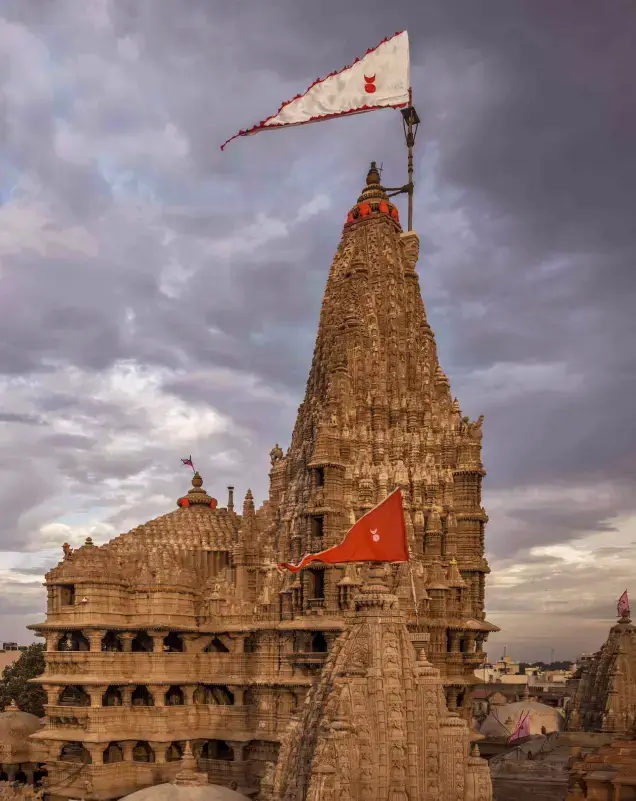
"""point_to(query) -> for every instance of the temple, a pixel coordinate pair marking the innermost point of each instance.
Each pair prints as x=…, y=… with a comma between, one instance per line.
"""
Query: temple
x=605, y=695
x=182, y=640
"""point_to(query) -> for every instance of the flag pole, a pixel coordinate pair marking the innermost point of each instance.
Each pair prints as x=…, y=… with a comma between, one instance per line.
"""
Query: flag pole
x=410, y=121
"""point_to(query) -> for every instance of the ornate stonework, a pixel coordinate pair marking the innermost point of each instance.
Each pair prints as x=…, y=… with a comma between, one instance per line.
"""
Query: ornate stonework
x=607, y=773
x=375, y=727
x=605, y=696
x=183, y=631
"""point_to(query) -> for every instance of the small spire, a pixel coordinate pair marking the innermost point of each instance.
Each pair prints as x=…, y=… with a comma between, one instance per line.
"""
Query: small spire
x=230, y=499
x=89, y=542
x=197, y=481
x=373, y=176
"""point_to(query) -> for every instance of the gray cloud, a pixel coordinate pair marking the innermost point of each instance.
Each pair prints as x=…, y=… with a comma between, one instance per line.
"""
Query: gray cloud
x=158, y=296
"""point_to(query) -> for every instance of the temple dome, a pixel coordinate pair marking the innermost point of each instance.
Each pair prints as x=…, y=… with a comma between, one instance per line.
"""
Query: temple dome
x=175, y=792
x=501, y=722
x=15, y=729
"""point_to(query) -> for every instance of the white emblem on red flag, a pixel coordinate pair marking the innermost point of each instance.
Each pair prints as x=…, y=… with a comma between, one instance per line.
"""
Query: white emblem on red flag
x=374, y=535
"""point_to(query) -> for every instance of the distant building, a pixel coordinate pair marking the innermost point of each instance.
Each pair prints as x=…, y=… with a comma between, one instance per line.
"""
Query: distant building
x=9, y=653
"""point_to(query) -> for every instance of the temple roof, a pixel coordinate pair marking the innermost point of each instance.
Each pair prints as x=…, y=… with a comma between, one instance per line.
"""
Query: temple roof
x=159, y=550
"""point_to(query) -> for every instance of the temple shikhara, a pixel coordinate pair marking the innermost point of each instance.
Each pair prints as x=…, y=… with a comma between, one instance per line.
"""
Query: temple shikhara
x=605, y=697
x=179, y=652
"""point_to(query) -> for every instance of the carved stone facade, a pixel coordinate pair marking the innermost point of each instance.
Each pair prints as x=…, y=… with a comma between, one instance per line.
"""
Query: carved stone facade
x=375, y=727
x=606, y=774
x=605, y=695
x=183, y=630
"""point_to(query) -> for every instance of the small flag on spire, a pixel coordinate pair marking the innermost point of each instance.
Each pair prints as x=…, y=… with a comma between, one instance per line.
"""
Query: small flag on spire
x=623, y=605
x=188, y=462
x=380, y=79
x=379, y=536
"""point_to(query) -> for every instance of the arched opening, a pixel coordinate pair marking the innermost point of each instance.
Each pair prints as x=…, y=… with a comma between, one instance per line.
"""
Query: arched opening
x=216, y=647
x=4, y=777
x=20, y=777
x=173, y=643
x=249, y=646
x=174, y=752
x=112, y=697
x=40, y=774
x=113, y=753
x=174, y=697
x=73, y=696
x=460, y=698
x=210, y=694
x=216, y=749
x=73, y=641
x=142, y=752
x=319, y=643
x=75, y=752
x=142, y=643
x=111, y=642
x=142, y=696
x=316, y=579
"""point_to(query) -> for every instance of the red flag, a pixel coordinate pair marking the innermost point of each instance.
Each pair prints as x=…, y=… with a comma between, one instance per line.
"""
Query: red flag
x=188, y=462
x=623, y=605
x=379, y=536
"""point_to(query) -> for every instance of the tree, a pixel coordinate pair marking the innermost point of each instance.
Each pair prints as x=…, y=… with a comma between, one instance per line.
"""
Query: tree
x=14, y=684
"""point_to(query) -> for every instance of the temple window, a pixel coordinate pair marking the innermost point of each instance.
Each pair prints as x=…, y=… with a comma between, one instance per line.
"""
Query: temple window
x=175, y=697
x=142, y=697
x=216, y=749
x=316, y=525
x=249, y=646
x=142, y=752
x=319, y=643
x=113, y=753
x=221, y=696
x=111, y=642
x=216, y=647
x=67, y=595
x=320, y=476
x=112, y=697
x=75, y=752
x=73, y=641
x=74, y=696
x=20, y=777
x=316, y=583
x=142, y=643
x=173, y=643
x=174, y=752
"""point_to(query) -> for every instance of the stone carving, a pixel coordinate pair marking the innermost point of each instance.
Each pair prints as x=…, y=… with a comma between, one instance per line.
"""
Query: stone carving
x=377, y=414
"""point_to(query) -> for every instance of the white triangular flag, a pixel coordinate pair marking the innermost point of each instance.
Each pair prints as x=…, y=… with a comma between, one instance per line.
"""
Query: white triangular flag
x=380, y=79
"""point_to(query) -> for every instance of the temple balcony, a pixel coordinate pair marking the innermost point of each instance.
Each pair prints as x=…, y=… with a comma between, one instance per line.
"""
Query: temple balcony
x=156, y=668
x=151, y=723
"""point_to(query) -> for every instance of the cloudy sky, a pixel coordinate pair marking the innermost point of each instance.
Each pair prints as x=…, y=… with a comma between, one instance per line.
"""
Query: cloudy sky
x=160, y=298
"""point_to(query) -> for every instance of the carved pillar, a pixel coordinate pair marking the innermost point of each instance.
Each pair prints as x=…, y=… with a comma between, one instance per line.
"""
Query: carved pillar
x=96, y=751
x=238, y=643
x=127, y=748
x=96, y=694
x=157, y=640
x=126, y=694
x=238, y=748
x=126, y=638
x=188, y=694
x=95, y=637
x=238, y=693
x=30, y=775
x=455, y=638
x=159, y=693
x=159, y=749
x=189, y=641
x=52, y=693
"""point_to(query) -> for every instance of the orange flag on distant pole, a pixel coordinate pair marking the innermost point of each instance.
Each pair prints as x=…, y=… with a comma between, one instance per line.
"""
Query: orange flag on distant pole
x=379, y=536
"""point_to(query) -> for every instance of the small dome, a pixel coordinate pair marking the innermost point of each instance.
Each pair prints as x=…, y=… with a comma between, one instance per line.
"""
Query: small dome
x=504, y=717
x=17, y=726
x=176, y=792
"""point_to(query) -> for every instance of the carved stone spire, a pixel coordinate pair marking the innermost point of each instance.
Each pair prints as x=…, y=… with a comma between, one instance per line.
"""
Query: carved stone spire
x=378, y=413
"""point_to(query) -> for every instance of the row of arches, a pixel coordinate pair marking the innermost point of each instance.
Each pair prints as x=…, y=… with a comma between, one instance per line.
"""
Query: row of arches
x=76, y=695
x=142, y=642
x=142, y=751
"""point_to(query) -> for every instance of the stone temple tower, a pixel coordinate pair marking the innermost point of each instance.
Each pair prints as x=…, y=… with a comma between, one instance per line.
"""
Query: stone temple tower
x=378, y=413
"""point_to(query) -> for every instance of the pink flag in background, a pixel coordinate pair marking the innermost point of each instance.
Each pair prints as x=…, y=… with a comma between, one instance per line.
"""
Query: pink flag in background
x=623, y=605
x=522, y=729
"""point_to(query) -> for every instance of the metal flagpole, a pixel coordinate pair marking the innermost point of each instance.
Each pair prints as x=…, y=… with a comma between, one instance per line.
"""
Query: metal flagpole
x=410, y=121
